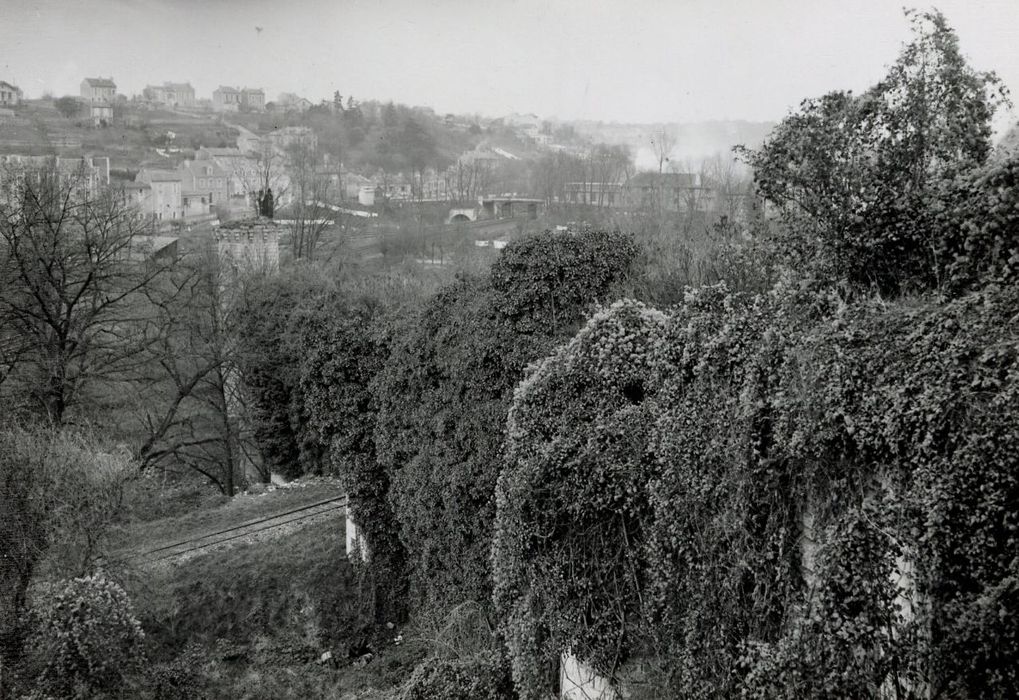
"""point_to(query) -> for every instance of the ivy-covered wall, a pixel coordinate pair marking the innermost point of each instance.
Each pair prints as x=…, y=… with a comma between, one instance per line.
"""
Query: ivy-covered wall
x=660, y=469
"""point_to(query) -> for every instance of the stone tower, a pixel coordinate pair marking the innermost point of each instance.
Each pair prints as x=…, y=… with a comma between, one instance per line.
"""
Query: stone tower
x=249, y=245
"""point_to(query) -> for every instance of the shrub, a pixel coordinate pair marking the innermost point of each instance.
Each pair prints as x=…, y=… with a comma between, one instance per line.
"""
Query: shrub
x=84, y=637
x=572, y=504
x=446, y=386
x=59, y=493
x=480, y=677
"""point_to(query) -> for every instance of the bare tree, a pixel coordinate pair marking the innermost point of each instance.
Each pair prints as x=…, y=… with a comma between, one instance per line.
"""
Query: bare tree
x=663, y=144
x=74, y=268
x=194, y=414
x=608, y=166
x=468, y=178
x=309, y=187
x=731, y=187
x=255, y=173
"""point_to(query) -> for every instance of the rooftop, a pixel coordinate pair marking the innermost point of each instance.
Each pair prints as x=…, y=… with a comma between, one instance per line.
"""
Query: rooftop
x=101, y=82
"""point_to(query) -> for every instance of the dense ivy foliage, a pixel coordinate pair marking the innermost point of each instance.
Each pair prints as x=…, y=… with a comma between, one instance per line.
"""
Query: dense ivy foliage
x=445, y=389
x=572, y=500
x=344, y=342
x=480, y=677
x=811, y=500
x=270, y=360
x=925, y=404
x=977, y=217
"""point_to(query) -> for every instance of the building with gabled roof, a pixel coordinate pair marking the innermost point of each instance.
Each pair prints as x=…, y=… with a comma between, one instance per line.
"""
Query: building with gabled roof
x=204, y=184
x=10, y=95
x=98, y=90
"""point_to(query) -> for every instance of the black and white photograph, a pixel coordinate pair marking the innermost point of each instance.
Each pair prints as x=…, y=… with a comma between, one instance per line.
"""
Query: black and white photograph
x=509, y=349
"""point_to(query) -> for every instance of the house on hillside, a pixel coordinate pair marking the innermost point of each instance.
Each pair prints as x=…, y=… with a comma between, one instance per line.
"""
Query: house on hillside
x=226, y=99
x=10, y=95
x=171, y=94
x=98, y=95
x=100, y=113
x=253, y=99
x=165, y=200
x=289, y=102
x=239, y=169
x=342, y=185
x=203, y=186
x=98, y=90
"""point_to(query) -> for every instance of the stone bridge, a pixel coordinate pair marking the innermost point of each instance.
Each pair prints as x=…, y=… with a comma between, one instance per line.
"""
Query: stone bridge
x=497, y=207
x=459, y=215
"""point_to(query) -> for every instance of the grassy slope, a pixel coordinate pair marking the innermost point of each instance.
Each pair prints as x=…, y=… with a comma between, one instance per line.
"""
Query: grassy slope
x=253, y=620
x=39, y=126
x=143, y=536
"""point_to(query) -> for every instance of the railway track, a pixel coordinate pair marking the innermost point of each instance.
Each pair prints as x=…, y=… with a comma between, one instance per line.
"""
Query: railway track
x=295, y=517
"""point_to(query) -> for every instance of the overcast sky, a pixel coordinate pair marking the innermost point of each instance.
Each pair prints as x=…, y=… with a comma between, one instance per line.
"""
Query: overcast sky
x=622, y=60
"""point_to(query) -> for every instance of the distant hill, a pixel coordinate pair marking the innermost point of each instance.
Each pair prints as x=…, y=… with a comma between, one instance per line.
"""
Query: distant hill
x=694, y=141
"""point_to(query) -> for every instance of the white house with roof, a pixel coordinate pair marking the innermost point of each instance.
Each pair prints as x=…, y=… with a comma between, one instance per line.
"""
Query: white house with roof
x=10, y=95
x=98, y=95
x=203, y=186
x=98, y=90
x=164, y=202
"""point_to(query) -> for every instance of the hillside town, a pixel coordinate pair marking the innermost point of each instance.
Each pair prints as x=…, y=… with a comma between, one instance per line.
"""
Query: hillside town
x=508, y=351
x=175, y=177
